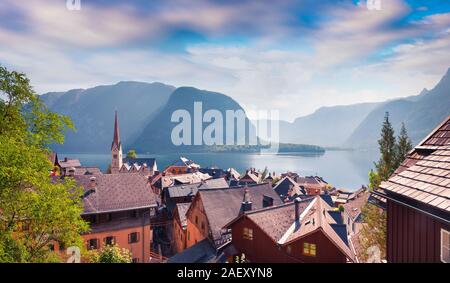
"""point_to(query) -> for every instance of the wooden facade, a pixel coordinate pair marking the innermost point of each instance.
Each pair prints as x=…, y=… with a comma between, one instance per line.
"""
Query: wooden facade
x=413, y=236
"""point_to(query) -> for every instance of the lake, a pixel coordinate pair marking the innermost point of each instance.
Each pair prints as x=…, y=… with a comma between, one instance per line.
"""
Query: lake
x=342, y=169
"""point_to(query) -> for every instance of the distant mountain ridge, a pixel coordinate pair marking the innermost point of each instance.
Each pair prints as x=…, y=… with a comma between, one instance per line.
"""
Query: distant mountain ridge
x=145, y=111
x=92, y=111
x=421, y=114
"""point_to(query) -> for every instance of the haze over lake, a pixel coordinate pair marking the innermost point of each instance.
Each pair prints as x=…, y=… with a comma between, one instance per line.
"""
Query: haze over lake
x=342, y=169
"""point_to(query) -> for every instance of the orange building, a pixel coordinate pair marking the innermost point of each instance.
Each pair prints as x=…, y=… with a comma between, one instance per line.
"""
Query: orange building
x=179, y=227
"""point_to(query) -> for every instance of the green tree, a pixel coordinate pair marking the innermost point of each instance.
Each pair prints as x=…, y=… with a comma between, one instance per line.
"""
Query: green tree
x=111, y=254
x=34, y=210
x=131, y=153
x=403, y=147
x=374, y=229
x=386, y=164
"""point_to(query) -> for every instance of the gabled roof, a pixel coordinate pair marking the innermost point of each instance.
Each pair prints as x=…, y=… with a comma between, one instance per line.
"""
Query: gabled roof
x=115, y=192
x=67, y=163
x=353, y=207
x=286, y=184
x=181, y=209
x=202, y=252
x=424, y=176
x=183, y=161
x=279, y=223
x=149, y=162
x=223, y=205
x=191, y=189
x=86, y=170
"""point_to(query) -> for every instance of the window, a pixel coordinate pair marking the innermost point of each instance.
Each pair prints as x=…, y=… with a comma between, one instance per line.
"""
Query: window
x=109, y=217
x=133, y=237
x=203, y=225
x=189, y=236
x=309, y=249
x=114, y=156
x=92, y=244
x=196, y=219
x=289, y=249
x=247, y=234
x=445, y=246
x=110, y=240
x=135, y=260
x=51, y=247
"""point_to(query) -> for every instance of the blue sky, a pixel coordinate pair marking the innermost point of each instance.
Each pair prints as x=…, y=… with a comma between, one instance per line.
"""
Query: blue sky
x=295, y=56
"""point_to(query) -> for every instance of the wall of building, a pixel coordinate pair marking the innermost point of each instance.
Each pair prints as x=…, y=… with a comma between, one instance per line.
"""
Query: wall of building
x=140, y=249
x=178, y=237
x=412, y=236
x=197, y=227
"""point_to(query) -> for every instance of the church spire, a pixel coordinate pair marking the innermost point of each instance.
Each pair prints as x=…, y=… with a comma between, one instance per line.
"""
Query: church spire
x=116, y=137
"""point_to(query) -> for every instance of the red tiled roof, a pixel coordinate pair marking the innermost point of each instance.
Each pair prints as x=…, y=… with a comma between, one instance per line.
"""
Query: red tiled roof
x=223, y=205
x=425, y=175
x=115, y=192
x=353, y=207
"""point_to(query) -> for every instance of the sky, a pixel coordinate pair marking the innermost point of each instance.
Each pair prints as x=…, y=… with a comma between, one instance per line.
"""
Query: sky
x=292, y=56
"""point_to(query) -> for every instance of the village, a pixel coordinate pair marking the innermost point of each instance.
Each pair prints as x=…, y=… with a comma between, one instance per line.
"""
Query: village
x=186, y=213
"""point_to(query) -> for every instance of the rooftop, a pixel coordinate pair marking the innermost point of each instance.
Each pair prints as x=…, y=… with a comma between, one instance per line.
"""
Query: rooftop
x=425, y=175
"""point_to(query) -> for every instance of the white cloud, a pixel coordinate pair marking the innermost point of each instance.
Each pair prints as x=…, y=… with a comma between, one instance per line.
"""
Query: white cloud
x=323, y=66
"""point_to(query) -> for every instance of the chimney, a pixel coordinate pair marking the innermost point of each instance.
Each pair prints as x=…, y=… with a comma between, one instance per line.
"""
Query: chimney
x=246, y=203
x=93, y=183
x=297, y=209
x=71, y=171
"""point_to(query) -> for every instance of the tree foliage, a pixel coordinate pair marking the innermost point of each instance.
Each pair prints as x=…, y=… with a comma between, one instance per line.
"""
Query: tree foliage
x=393, y=152
x=386, y=164
x=34, y=210
x=111, y=254
x=374, y=229
x=131, y=153
x=403, y=146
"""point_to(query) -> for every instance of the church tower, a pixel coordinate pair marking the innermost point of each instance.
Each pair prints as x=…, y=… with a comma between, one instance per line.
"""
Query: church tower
x=116, y=149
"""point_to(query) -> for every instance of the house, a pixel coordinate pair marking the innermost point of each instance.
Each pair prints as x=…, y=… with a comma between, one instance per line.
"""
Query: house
x=118, y=208
x=179, y=227
x=182, y=166
x=418, y=202
x=186, y=192
x=250, y=177
x=288, y=189
x=313, y=185
x=68, y=164
x=211, y=209
x=303, y=231
x=352, y=213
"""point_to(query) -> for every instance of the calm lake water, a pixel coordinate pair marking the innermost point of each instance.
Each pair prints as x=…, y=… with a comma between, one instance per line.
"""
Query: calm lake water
x=342, y=169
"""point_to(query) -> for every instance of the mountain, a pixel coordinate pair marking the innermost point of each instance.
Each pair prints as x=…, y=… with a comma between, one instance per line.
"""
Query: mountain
x=156, y=136
x=328, y=126
x=421, y=114
x=92, y=111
